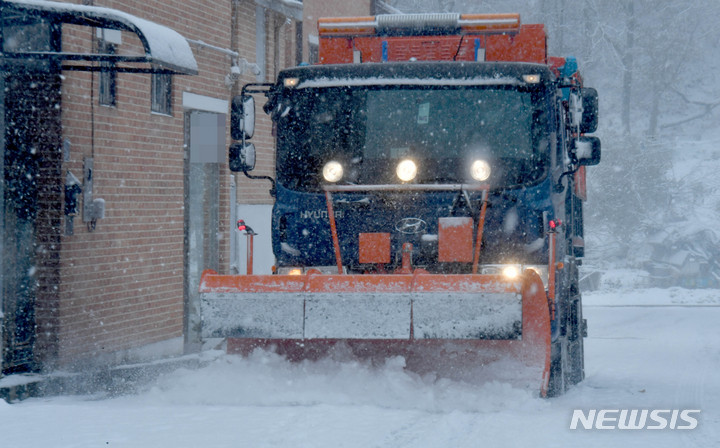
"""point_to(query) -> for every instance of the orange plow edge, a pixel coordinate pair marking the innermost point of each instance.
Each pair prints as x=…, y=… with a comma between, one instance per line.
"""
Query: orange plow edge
x=468, y=327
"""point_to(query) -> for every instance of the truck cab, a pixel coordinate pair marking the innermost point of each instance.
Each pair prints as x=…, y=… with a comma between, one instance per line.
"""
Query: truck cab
x=445, y=144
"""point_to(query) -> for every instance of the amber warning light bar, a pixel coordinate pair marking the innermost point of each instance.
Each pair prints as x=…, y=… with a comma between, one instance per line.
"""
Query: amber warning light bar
x=446, y=23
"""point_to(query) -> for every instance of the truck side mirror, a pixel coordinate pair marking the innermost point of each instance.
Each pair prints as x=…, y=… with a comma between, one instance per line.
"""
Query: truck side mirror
x=241, y=157
x=242, y=117
x=589, y=121
x=587, y=150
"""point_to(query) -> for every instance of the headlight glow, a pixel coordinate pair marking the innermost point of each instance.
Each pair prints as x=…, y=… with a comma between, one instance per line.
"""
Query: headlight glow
x=406, y=170
x=511, y=272
x=480, y=170
x=332, y=171
x=291, y=82
x=296, y=270
x=290, y=270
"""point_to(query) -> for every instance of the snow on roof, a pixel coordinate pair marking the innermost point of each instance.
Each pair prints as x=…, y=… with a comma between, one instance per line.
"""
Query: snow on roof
x=376, y=81
x=163, y=46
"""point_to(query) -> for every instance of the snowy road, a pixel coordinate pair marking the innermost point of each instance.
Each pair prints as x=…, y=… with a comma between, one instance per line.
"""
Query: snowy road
x=647, y=349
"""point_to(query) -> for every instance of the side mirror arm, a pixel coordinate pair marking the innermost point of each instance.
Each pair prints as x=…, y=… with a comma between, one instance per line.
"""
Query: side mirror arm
x=273, y=189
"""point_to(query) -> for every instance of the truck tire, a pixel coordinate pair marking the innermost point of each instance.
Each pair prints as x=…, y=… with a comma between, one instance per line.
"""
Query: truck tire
x=558, y=368
x=576, y=349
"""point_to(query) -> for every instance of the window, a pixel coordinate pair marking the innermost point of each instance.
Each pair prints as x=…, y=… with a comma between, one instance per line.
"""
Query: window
x=370, y=129
x=108, y=76
x=162, y=93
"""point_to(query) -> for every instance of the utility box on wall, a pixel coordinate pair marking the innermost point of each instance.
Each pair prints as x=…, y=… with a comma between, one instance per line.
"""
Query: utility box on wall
x=93, y=208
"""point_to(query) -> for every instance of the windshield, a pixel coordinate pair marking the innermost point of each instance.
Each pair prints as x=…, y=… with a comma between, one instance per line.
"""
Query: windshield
x=443, y=129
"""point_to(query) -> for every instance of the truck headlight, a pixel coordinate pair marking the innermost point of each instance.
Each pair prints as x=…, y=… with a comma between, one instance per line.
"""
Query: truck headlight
x=406, y=170
x=480, y=170
x=514, y=271
x=511, y=272
x=332, y=171
x=297, y=270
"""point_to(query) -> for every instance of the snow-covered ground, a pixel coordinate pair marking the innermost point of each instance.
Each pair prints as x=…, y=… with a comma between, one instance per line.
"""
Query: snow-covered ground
x=647, y=349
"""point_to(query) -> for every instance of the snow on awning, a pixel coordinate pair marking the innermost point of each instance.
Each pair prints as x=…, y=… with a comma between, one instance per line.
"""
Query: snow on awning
x=166, y=51
x=289, y=8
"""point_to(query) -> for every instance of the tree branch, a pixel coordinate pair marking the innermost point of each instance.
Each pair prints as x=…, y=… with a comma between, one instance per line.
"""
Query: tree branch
x=707, y=106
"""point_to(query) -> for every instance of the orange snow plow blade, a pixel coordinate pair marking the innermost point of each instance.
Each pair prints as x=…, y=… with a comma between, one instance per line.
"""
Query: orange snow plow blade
x=468, y=327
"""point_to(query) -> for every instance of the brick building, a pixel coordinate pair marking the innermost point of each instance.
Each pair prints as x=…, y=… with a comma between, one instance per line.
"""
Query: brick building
x=116, y=188
x=112, y=277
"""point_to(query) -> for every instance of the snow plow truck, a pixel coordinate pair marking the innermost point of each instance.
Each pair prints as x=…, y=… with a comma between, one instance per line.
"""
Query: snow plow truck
x=429, y=188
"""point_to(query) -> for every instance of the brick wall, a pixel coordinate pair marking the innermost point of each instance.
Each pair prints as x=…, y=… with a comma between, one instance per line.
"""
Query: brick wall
x=121, y=285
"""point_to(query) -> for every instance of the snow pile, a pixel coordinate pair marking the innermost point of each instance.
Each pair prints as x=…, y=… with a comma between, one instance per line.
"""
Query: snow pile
x=266, y=379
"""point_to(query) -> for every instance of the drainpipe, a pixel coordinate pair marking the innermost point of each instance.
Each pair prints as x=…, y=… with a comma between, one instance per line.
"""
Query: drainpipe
x=277, y=29
x=234, y=39
x=260, y=33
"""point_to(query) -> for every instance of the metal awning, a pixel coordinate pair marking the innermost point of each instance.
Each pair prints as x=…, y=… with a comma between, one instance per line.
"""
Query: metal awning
x=166, y=51
x=289, y=8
